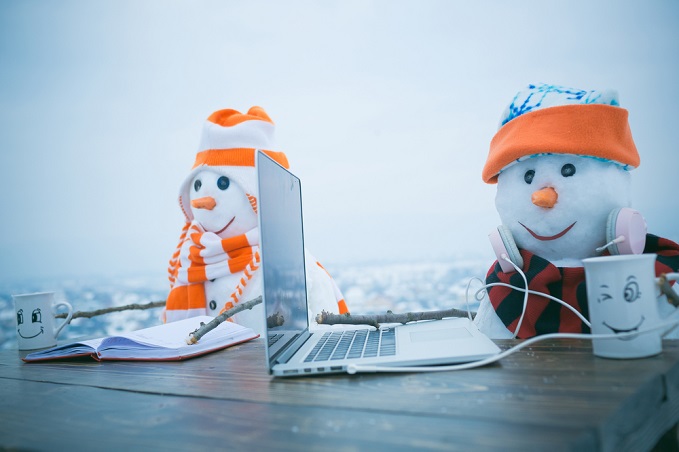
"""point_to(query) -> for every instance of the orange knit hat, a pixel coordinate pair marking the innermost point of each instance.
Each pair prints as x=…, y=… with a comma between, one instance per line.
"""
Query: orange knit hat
x=549, y=119
x=228, y=146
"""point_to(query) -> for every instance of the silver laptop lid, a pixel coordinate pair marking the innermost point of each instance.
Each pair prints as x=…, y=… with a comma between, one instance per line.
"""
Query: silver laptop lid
x=282, y=252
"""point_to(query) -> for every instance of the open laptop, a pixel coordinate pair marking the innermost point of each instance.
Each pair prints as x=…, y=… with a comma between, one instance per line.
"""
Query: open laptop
x=291, y=348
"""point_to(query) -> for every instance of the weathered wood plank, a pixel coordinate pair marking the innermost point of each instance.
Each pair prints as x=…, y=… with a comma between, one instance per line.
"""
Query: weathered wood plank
x=580, y=377
x=558, y=385
x=65, y=417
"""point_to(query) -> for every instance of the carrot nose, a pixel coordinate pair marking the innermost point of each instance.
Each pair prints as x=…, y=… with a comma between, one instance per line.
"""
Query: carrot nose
x=545, y=197
x=207, y=203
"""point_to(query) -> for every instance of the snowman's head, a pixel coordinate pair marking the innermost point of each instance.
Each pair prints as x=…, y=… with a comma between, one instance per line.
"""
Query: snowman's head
x=221, y=205
x=220, y=192
x=561, y=159
x=556, y=206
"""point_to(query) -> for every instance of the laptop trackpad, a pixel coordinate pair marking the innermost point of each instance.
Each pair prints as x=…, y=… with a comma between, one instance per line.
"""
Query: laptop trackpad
x=443, y=334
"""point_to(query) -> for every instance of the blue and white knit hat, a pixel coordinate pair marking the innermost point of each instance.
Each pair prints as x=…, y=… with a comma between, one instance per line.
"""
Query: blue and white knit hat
x=550, y=119
x=543, y=95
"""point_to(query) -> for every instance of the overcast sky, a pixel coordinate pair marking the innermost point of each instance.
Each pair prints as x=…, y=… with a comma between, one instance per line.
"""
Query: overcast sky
x=384, y=108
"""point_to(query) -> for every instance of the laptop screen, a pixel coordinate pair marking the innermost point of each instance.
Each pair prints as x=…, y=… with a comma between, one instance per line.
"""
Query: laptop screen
x=282, y=252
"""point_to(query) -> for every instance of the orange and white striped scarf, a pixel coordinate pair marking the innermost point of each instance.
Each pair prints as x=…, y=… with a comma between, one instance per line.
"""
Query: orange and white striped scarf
x=203, y=256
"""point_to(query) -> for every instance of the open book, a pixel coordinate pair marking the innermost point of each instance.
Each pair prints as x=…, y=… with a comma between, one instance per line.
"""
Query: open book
x=166, y=342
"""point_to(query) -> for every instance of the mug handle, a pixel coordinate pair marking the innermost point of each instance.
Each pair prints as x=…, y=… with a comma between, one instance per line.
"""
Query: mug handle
x=673, y=316
x=68, y=316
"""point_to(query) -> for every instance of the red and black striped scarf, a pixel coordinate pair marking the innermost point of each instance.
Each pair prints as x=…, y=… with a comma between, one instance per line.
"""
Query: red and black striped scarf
x=567, y=283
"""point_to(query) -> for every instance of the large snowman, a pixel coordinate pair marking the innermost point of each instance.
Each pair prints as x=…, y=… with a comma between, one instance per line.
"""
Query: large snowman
x=561, y=160
x=216, y=264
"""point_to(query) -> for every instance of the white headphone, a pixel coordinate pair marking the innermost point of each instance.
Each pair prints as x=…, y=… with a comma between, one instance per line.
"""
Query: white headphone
x=625, y=234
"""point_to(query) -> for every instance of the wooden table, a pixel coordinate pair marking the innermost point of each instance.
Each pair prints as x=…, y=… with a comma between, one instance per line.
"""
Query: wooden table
x=553, y=396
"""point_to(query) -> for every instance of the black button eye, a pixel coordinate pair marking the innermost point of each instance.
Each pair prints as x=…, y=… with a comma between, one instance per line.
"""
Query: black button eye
x=223, y=183
x=197, y=184
x=20, y=317
x=568, y=170
x=528, y=177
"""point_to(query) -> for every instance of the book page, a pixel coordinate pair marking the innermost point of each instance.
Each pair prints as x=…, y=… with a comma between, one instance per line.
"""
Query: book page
x=168, y=341
x=174, y=334
x=72, y=349
x=161, y=342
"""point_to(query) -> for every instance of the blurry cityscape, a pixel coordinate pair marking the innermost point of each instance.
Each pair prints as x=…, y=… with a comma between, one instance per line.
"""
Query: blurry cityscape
x=368, y=289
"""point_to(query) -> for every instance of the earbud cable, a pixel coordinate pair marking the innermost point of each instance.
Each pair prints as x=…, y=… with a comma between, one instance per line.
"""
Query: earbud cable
x=619, y=239
x=354, y=368
x=669, y=325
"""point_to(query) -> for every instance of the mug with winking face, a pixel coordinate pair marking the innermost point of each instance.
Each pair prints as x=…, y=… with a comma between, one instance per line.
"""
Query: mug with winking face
x=623, y=295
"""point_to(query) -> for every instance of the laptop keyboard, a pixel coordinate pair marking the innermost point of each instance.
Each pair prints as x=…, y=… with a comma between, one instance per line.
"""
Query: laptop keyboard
x=273, y=338
x=337, y=345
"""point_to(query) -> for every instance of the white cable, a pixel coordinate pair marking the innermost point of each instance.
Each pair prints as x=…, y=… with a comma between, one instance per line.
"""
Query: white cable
x=466, y=295
x=355, y=368
x=533, y=292
x=669, y=276
x=525, y=295
x=616, y=240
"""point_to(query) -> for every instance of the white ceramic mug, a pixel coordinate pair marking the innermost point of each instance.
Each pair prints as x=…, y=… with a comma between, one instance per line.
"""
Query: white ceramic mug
x=35, y=320
x=622, y=296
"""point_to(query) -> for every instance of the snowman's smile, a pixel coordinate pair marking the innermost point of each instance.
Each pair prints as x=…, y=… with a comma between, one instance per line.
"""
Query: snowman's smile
x=550, y=237
x=224, y=228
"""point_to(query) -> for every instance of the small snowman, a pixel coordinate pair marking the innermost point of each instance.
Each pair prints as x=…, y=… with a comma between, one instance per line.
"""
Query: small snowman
x=216, y=264
x=561, y=160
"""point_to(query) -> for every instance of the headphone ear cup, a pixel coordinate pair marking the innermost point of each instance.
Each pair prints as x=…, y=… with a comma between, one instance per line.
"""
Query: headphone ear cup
x=631, y=225
x=610, y=231
x=510, y=245
x=503, y=243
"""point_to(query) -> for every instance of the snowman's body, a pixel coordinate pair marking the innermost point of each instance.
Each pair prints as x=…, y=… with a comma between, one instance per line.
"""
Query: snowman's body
x=561, y=161
x=227, y=212
x=218, y=294
x=321, y=295
x=217, y=263
x=565, y=225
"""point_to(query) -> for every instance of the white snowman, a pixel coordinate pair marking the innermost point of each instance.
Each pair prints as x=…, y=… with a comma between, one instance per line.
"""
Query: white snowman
x=561, y=160
x=216, y=264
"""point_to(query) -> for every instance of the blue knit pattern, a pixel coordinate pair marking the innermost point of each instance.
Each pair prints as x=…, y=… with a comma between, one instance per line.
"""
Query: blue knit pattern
x=543, y=95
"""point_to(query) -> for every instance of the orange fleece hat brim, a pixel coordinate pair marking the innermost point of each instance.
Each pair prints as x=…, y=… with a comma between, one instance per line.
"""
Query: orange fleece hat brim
x=594, y=130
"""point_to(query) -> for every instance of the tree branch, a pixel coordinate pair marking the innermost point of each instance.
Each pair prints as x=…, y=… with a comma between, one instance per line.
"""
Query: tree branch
x=666, y=289
x=277, y=319
x=212, y=324
x=90, y=314
x=329, y=318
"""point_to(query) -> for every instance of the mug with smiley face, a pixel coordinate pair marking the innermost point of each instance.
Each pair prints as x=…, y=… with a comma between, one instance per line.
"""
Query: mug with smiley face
x=35, y=320
x=622, y=294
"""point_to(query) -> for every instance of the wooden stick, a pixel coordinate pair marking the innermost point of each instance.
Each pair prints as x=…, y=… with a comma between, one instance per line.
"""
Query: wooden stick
x=277, y=319
x=329, y=318
x=90, y=314
x=212, y=324
x=666, y=289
